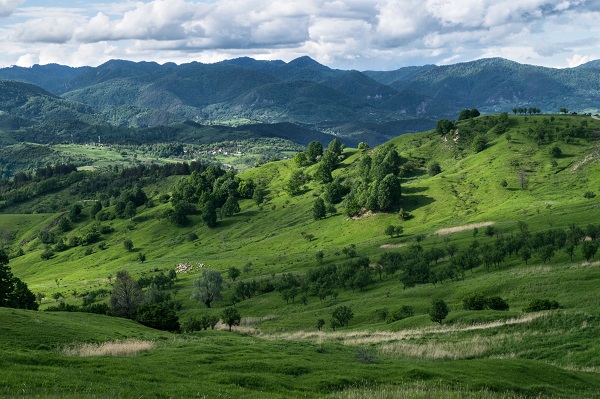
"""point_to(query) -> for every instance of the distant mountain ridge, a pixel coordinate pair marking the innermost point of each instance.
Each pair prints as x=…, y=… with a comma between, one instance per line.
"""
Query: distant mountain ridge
x=305, y=92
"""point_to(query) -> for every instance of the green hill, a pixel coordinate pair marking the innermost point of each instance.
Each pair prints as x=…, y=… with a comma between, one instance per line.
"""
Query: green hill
x=500, y=181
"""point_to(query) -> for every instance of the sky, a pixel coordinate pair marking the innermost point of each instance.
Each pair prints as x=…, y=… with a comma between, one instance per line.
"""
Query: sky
x=344, y=34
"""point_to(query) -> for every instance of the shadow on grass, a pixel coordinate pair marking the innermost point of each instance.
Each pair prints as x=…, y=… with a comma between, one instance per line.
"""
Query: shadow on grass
x=413, y=190
x=413, y=202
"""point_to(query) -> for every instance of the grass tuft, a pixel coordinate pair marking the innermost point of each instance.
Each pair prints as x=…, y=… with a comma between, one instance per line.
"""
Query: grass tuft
x=112, y=348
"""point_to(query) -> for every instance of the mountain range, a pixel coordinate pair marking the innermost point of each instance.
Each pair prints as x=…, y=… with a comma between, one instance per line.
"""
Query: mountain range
x=370, y=106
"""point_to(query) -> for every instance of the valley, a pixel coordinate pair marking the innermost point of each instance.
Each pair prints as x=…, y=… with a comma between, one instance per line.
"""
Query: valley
x=488, y=209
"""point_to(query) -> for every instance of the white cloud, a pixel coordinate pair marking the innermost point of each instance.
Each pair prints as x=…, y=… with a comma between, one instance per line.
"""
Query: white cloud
x=47, y=30
x=337, y=32
x=7, y=7
x=578, y=59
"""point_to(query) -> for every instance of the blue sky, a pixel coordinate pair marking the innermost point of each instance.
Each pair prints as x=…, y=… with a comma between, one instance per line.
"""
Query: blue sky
x=348, y=34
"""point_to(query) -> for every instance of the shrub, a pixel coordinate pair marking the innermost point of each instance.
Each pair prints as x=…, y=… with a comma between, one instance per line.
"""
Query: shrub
x=97, y=308
x=382, y=314
x=434, y=168
x=192, y=324
x=496, y=303
x=47, y=254
x=474, y=302
x=160, y=315
x=537, y=305
x=402, y=313
x=589, y=194
x=439, y=311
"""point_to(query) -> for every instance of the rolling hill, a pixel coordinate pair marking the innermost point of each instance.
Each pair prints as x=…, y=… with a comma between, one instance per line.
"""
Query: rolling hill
x=514, y=188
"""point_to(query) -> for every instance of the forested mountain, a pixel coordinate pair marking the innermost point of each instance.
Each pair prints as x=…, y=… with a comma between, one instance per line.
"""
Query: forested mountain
x=371, y=105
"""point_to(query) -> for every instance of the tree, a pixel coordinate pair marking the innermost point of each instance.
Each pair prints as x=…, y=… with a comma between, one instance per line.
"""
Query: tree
x=525, y=253
x=142, y=257
x=22, y=297
x=230, y=207
x=319, y=256
x=479, y=143
x=209, y=213
x=589, y=249
x=496, y=303
x=259, y=195
x=74, y=211
x=128, y=244
x=444, y=126
x=7, y=282
x=14, y=293
x=233, y=273
x=388, y=193
x=555, y=151
x=208, y=286
x=434, y=168
x=300, y=159
x=390, y=231
x=295, y=183
x=439, y=311
x=335, y=147
x=341, y=315
x=523, y=178
x=160, y=316
x=130, y=210
x=95, y=209
x=231, y=317
x=319, y=209
x=325, y=167
x=313, y=150
x=320, y=324
x=474, y=302
x=126, y=296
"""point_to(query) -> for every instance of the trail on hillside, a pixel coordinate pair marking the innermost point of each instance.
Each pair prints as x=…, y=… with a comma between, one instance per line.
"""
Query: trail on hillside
x=457, y=229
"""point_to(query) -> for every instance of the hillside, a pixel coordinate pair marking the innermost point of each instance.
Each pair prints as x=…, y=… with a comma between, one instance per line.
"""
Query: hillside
x=499, y=181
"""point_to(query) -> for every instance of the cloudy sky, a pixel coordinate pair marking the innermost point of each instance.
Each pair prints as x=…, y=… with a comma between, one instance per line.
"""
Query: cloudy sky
x=348, y=34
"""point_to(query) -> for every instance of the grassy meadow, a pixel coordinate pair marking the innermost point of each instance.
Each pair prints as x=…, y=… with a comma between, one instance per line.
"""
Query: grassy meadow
x=277, y=350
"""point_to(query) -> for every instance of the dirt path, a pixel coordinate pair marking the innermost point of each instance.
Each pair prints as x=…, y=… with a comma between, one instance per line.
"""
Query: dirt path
x=457, y=229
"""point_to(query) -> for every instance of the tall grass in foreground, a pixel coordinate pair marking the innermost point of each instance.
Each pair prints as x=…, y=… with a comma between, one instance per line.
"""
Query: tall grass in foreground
x=422, y=390
x=111, y=348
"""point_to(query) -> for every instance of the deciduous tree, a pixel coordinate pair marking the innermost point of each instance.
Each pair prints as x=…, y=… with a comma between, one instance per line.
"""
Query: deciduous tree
x=208, y=286
x=231, y=316
x=126, y=296
x=439, y=311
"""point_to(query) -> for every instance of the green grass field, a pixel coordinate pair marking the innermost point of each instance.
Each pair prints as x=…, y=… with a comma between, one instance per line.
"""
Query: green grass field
x=277, y=351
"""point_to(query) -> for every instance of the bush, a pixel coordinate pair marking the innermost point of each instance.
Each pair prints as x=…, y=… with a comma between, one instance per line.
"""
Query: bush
x=382, y=314
x=97, y=308
x=589, y=194
x=474, y=302
x=404, y=312
x=160, y=316
x=538, y=305
x=47, y=254
x=496, y=303
x=192, y=324
x=434, y=168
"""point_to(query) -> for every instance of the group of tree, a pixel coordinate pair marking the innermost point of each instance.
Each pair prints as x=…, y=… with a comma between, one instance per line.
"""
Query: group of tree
x=377, y=187
x=526, y=110
x=214, y=191
x=106, y=185
x=468, y=114
x=154, y=308
x=480, y=302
